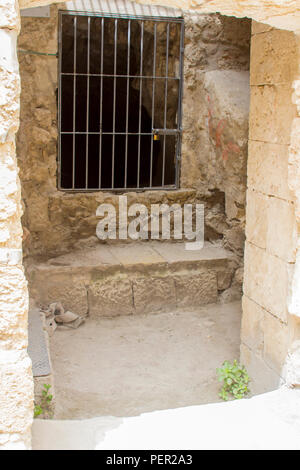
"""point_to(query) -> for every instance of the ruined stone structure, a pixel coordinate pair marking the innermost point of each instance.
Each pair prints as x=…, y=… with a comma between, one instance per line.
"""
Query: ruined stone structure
x=215, y=79
x=271, y=302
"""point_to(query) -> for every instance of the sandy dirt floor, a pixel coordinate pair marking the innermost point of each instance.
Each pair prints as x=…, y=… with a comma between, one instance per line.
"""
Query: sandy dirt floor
x=125, y=366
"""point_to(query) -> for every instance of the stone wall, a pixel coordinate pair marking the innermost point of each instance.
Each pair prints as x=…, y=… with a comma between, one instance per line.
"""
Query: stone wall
x=16, y=391
x=214, y=153
x=271, y=229
x=16, y=381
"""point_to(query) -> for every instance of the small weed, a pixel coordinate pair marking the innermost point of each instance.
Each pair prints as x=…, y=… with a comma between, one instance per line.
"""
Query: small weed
x=235, y=380
x=44, y=408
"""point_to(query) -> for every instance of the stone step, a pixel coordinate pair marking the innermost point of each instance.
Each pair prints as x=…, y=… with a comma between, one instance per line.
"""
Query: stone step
x=139, y=278
x=269, y=421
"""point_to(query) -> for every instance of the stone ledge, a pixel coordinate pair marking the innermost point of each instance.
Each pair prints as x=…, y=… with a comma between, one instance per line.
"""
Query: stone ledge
x=137, y=278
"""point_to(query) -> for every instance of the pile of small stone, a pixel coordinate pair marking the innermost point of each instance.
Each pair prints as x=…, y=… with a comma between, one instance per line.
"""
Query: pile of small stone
x=55, y=315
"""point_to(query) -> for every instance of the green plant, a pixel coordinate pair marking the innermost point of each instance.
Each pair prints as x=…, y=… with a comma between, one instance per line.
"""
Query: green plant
x=235, y=380
x=44, y=408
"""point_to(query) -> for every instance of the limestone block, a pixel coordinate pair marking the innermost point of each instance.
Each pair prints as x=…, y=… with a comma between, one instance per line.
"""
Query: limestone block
x=110, y=297
x=8, y=54
x=252, y=328
x=294, y=299
x=280, y=13
x=294, y=164
x=271, y=113
x=273, y=58
x=60, y=287
x=196, y=289
x=281, y=229
x=271, y=225
x=260, y=27
x=257, y=222
x=9, y=104
x=268, y=169
x=275, y=342
x=266, y=280
x=296, y=94
x=16, y=392
x=9, y=15
x=13, y=307
x=154, y=294
x=263, y=378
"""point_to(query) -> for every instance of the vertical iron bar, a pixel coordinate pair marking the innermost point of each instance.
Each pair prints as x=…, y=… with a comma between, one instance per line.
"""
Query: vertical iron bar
x=180, y=97
x=74, y=101
x=59, y=98
x=101, y=102
x=153, y=100
x=114, y=105
x=87, y=107
x=127, y=101
x=166, y=103
x=140, y=104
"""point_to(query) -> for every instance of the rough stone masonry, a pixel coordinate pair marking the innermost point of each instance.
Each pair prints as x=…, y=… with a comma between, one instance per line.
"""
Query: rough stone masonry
x=277, y=323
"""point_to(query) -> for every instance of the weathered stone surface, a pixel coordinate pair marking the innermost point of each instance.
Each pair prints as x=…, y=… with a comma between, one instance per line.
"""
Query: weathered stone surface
x=120, y=283
x=282, y=229
x=271, y=225
x=275, y=342
x=294, y=165
x=224, y=279
x=282, y=15
x=110, y=297
x=68, y=289
x=16, y=387
x=252, y=328
x=271, y=113
x=257, y=220
x=228, y=110
x=265, y=126
x=154, y=294
x=56, y=221
x=9, y=108
x=267, y=280
x=263, y=378
x=258, y=27
x=269, y=49
x=13, y=307
x=16, y=394
x=231, y=294
x=9, y=15
x=196, y=289
x=272, y=160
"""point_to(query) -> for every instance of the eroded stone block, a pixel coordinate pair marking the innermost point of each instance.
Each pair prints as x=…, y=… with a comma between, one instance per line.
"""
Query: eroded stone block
x=196, y=289
x=273, y=58
x=252, y=328
x=275, y=342
x=110, y=297
x=257, y=222
x=268, y=169
x=271, y=113
x=60, y=287
x=266, y=280
x=154, y=294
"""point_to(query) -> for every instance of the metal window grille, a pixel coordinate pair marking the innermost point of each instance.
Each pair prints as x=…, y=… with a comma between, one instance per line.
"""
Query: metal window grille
x=95, y=151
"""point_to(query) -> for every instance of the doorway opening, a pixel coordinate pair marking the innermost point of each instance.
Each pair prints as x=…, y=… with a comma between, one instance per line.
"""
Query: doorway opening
x=120, y=90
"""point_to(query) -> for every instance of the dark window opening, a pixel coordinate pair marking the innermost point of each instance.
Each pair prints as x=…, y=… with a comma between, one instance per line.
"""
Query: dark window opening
x=120, y=88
